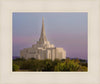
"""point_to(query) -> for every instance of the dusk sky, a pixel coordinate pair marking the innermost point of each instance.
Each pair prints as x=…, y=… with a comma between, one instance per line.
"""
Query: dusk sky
x=66, y=30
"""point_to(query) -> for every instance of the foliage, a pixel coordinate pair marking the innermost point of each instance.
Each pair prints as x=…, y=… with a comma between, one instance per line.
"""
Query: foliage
x=61, y=67
x=83, y=68
x=72, y=66
x=68, y=65
x=15, y=67
x=48, y=65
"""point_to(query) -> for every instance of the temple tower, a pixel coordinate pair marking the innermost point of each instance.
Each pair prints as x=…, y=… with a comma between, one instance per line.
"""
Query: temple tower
x=43, y=38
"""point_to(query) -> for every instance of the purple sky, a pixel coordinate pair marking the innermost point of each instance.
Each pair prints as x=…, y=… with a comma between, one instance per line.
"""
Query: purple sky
x=67, y=30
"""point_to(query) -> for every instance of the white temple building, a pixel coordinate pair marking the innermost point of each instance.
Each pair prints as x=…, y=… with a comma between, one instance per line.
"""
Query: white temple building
x=43, y=49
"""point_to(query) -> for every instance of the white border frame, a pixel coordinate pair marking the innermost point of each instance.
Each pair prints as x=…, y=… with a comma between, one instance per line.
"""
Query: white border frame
x=9, y=77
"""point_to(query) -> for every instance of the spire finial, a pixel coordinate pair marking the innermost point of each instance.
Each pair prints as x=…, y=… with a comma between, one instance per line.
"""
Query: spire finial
x=43, y=35
x=42, y=19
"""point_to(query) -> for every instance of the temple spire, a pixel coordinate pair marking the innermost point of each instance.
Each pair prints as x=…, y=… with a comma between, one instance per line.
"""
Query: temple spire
x=43, y=35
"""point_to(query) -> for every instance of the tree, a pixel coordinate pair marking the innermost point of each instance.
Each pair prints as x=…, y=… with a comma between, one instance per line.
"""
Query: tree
x=15, y=67
x=72, y=66
x=48, y=65
x=68, y=65
x=82, y=68
x=77, y=60
x=61, y=67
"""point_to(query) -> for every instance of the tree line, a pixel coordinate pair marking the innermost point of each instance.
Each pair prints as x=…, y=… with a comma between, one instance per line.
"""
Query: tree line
x=21, y=64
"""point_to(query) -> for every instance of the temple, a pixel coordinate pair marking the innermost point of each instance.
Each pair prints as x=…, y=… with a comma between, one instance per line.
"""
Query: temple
x=43, y=49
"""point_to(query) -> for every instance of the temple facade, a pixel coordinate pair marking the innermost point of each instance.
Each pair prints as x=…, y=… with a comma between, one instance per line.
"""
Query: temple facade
x=43, y=49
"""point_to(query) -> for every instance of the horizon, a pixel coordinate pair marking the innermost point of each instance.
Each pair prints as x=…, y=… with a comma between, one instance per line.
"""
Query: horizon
x=61, y=29
x=14, y=57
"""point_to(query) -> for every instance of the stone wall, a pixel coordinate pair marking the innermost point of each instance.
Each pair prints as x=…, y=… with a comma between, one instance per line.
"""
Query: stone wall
x=41, y=54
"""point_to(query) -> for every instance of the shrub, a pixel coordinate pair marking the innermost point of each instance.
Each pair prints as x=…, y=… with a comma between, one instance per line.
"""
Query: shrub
x=72, y=66
x=15, y=67
x=49, y=65
x=61, y=67
x=68, y=65
x=82, y=68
